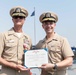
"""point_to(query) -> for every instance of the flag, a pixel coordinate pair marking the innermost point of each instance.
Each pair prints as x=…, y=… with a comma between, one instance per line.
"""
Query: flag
x=33, y=13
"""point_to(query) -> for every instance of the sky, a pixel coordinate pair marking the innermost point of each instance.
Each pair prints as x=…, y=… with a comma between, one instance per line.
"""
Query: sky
x=65, y=9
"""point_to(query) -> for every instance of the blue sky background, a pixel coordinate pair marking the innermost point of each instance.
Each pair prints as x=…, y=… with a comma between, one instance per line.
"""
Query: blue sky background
x=65, y=9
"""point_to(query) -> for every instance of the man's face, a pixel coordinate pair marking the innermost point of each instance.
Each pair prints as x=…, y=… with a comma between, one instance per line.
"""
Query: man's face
x=48, y=26
x=18, y=20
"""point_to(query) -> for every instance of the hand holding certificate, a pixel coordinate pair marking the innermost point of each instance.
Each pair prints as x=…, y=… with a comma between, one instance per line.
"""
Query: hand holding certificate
x=35, y=58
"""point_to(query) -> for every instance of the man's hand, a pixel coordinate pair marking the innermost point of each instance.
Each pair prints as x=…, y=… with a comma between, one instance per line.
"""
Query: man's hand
x=47, y=67
x=21, y=68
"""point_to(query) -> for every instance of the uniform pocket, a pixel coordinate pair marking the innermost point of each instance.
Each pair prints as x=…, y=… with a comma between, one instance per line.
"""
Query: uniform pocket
x=55, y=54
x=10, y=43
x=55, y=49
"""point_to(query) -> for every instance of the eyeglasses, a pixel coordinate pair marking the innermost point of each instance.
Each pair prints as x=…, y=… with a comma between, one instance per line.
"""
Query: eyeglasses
x=20, y=17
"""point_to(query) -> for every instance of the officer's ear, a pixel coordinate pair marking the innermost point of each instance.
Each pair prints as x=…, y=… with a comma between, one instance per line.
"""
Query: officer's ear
x=42, y=25
x=55, y=24
x=12, y=19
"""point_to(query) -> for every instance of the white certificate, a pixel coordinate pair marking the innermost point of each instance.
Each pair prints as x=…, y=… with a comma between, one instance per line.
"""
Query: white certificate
x=35, y=58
